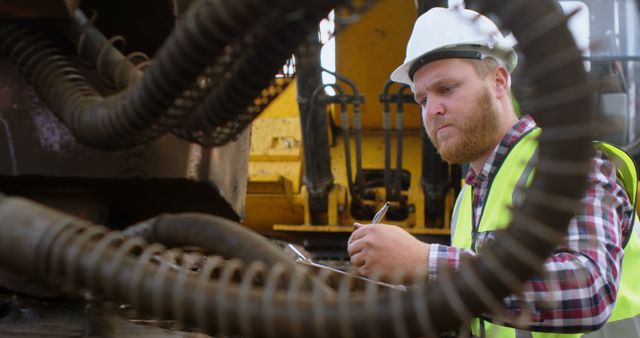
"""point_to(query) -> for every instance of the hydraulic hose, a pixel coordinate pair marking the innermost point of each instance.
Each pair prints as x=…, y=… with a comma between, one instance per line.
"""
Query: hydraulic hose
x=247, y=77
x=138, y=114
x=346, y=139
x=216, y=235
x=317, y=176
x=386, y=126
x=399, y=141
x=357, y=128
x=113, y=67
x=119, y=72
x=315, y=130
x=239, y=57
x=59, y=248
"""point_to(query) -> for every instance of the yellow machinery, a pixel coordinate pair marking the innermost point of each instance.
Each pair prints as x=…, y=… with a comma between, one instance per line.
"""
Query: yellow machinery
x=369, y=172
x=277, y=199
x=87, y=132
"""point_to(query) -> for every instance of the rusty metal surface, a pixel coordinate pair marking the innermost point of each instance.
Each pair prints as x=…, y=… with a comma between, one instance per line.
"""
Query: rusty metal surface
x=35, y=142
x=231, y=170
x=40, y=159
x=37, y=8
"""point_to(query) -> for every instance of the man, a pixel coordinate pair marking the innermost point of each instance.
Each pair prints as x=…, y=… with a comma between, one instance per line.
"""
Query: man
x=458, y=66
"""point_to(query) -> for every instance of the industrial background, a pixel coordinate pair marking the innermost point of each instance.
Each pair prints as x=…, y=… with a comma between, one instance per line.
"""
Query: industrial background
x=157, y=156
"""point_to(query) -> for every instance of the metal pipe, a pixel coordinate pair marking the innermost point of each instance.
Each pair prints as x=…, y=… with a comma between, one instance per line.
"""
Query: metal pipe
x=357, y=128
x=399, y=141
x=386, y=125
x=313, y=121
x=346, y=138
x=317, y=188
x=357, y=131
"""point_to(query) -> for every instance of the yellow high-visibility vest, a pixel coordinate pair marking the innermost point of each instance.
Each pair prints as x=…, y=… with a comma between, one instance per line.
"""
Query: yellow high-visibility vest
x=516, y=170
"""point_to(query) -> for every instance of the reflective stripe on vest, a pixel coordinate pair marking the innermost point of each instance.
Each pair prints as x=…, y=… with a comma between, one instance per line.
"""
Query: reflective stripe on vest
x=512, y=174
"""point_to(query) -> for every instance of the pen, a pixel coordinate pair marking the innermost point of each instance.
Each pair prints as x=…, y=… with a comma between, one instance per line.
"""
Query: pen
x=297, y=252
x=380, y=214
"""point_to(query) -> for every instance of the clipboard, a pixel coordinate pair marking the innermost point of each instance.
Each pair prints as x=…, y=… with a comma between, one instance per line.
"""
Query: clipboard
x=302, y=259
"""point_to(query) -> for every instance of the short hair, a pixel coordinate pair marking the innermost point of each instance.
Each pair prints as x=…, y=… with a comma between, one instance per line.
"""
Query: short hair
x=483, y=67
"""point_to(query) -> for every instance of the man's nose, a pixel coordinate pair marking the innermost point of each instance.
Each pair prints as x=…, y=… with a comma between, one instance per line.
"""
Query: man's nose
x=432, y=108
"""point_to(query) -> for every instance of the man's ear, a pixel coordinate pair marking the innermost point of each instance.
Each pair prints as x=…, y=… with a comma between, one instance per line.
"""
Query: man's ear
x=501, y=82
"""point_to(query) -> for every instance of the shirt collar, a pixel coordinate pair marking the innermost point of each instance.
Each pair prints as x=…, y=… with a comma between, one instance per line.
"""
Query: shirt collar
x=499, y=153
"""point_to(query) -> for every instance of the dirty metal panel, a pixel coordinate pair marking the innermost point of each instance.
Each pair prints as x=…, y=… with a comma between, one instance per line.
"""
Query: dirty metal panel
x=34, y=142
x=37, y=150
x=275, y=165
x=37, y=8
x=228, y=168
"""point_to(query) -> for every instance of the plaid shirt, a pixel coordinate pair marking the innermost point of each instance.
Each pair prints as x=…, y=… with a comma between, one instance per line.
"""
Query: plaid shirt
x=578, y=291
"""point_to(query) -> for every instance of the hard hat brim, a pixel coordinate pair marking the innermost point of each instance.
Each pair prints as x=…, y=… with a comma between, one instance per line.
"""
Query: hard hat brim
x=506, y=58
x=401, y=74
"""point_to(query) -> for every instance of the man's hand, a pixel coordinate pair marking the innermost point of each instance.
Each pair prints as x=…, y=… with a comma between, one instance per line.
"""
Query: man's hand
x=387, y=249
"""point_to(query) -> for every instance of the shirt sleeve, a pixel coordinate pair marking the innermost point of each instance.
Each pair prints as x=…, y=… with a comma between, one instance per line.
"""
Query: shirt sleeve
x=444, y=255
x=579, y=285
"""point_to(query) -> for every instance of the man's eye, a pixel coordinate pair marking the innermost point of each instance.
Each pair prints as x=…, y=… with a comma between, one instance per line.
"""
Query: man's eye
x=448, y=89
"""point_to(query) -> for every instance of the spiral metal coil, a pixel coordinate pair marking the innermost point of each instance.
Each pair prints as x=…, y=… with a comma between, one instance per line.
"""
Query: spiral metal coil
x=229, y=130
x=141, y=112
x=250, y=299
x=223, y=113
x=214, y=235
x=216, y=80
x=114, y=69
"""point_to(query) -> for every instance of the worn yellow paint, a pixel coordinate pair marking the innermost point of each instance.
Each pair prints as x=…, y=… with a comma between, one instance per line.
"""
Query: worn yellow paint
x=276, y=195
x=275, y=165
x=373, y=158
x=285, y=105
x=368, y=51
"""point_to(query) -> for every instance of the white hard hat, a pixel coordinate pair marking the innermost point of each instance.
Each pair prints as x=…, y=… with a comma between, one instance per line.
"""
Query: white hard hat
x=453, y=33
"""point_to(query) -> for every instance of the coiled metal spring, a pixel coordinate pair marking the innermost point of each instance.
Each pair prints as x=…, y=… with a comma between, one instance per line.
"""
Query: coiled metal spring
x=95, y=51
x=141, y=112
x=247, y=76
x=77, y=255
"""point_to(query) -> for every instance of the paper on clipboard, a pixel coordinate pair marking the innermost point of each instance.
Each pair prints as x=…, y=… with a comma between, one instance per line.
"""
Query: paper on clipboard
x=302, y=259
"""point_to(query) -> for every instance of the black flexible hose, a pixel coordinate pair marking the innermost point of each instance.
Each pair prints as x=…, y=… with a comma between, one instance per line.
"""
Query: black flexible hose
x=399, y=141
x=386, y=126
x=97, y=51
x=247, y=77
x=237, y=56
x=137, y=115
x=311, y=179
x=357, y=128
x=315, y=129
x=60, y=248
x=216, y=235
